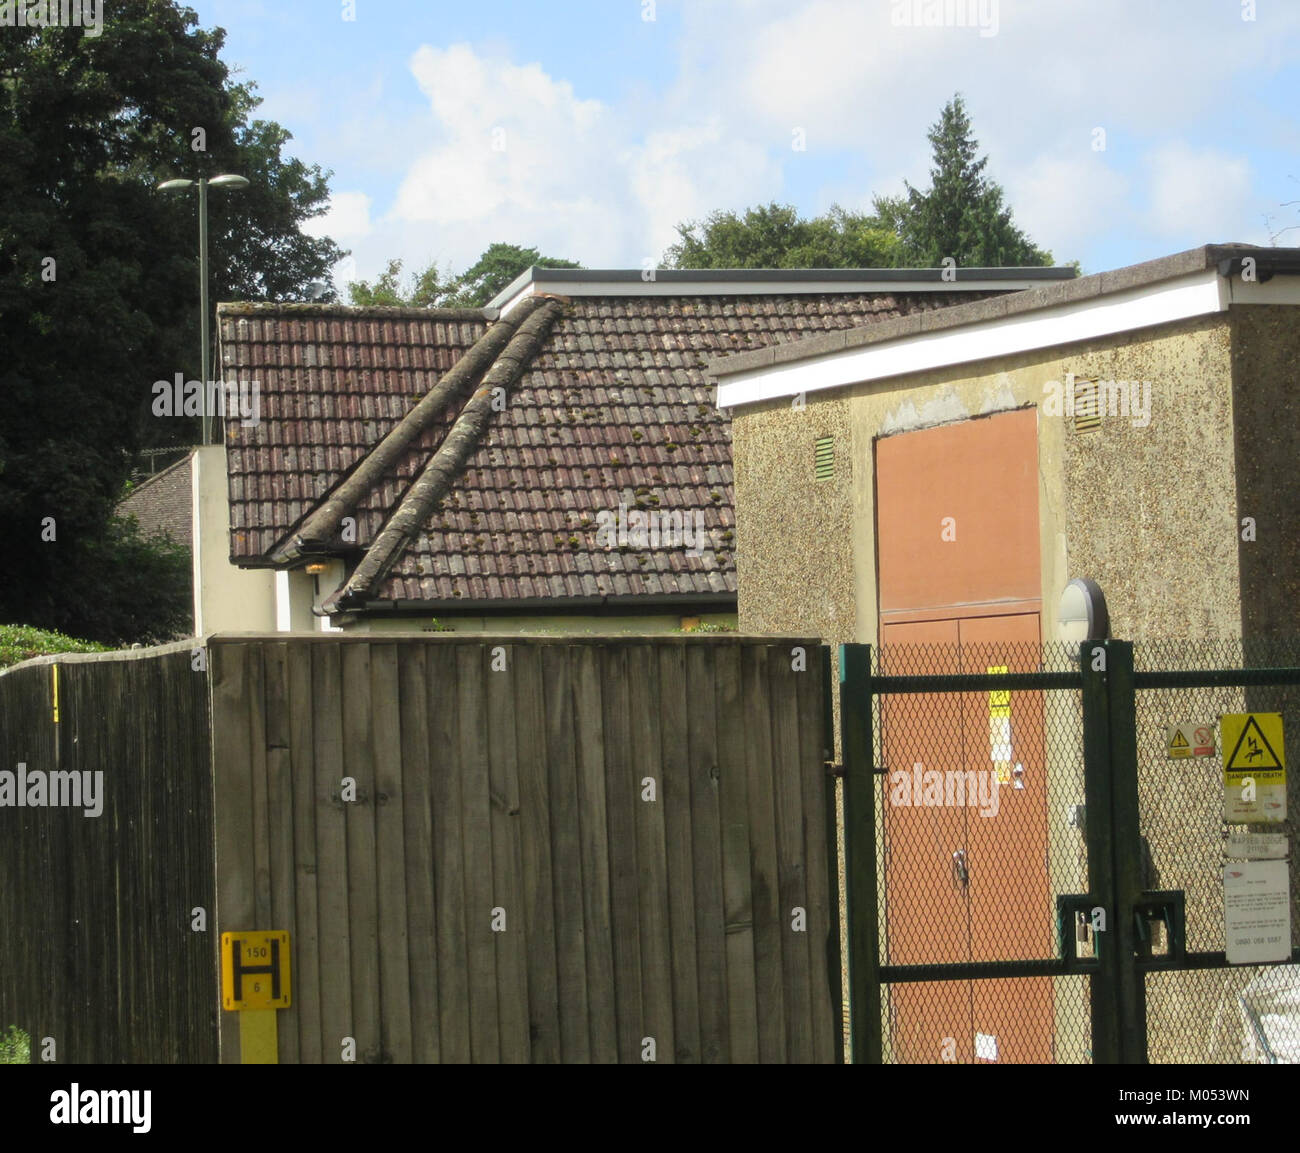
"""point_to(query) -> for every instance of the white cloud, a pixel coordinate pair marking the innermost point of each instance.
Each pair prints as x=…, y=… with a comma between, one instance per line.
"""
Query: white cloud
x=1062, y=201
x=346, y=219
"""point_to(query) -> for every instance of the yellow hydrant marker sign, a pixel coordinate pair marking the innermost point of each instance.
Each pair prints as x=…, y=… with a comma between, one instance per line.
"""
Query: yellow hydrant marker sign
x=255, y=970
x=1254, y=768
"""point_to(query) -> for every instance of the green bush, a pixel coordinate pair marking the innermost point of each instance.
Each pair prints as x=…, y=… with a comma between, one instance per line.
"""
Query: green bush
x=15, y=1047
x=22, y=642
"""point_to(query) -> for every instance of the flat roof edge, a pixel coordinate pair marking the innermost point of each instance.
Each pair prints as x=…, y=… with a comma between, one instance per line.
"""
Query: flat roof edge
x=1222, y=258
x=593, y=278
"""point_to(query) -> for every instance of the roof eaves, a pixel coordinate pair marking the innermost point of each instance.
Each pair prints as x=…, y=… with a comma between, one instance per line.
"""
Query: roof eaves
x=1046, y=296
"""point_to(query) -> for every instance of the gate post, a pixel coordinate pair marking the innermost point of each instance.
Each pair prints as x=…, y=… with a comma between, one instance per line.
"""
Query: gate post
x=1114, y=848
x=857, y=747
x=1127, y=846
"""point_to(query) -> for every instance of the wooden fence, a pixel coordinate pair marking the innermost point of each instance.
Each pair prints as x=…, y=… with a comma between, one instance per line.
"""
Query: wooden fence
x=99, y=957
x=541, y=850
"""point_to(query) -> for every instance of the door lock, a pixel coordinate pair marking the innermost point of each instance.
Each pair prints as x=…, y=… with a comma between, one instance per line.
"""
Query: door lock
x=960, y=873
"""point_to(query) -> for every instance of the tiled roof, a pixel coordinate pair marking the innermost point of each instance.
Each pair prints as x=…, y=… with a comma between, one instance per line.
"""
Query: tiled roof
x=162, y=505
x=614, y=406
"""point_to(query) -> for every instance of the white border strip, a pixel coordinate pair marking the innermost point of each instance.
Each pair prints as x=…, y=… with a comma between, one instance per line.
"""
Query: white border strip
x=579, y=288
x=1200, y=294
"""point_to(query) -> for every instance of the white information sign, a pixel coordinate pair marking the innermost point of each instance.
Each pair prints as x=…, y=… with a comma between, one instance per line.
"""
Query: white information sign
x=1257, y=912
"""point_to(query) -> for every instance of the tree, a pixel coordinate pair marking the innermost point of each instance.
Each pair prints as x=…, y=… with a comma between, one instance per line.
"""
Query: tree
x=98, y=280
x=473, y=288
x=962, y=215
x=495, y=269
x=425, y=290
x=775, y=236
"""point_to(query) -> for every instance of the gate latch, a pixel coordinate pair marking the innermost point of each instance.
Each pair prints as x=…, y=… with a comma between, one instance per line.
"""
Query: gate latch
x=1169, y=906
x=1072, y=910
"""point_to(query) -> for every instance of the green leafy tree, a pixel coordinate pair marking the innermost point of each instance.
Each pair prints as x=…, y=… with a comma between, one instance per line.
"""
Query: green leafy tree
x=775, y=236
x=963, y=214
x=495, y=269
x=98, y=279
x=473, y=288
x=425, y=290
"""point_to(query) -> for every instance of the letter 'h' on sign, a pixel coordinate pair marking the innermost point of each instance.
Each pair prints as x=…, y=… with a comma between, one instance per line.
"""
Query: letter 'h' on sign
x=255, y=970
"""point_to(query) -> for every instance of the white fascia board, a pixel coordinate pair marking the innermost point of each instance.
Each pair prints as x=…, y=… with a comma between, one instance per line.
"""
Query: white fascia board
x=1197, y=295
x=577, y=288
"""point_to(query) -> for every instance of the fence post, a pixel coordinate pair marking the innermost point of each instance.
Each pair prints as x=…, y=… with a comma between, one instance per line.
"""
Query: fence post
x=857, y=748
x=833, y=960
x=1094, y=664
x=1126, y=841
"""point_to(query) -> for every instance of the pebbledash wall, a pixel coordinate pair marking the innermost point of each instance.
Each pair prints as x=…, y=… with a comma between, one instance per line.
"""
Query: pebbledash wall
x=1151, y=511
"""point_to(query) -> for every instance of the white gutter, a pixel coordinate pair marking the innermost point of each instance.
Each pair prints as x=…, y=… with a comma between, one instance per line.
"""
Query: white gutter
x=1199, y=294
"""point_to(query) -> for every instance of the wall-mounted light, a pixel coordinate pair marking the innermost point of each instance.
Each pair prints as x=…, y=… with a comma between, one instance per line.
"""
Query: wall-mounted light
x=1083, y=615
x=317, y=569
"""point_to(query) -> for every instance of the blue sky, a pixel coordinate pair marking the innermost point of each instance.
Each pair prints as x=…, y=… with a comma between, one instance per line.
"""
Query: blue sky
x=588, y=128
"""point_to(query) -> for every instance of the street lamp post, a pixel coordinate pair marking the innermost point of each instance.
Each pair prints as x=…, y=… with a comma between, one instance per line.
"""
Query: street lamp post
x=234, y=183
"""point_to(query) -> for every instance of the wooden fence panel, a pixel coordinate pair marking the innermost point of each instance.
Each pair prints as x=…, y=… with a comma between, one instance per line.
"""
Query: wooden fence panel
x=101, y=951
x=484, y=850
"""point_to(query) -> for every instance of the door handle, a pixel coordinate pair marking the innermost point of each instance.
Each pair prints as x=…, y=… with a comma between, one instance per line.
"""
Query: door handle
x=960, y=872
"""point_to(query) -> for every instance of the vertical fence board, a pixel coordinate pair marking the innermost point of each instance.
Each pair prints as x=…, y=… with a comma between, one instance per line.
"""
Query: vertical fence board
x=449, y=868
x=507, y=855
x=622, y=795
x=565, y=835
x=476, y=821
x=417, y=824
x=768, y=916
x=796, y=957
x=652, y=873
x=332, y=862
x=675, y=797
x=706, y=834
x=742, y=1007
x=390, y=834
x=588, y=711
x=363, y=894
x=233, y=808
x=304, y=945
x=533, y=862
x=279, y=770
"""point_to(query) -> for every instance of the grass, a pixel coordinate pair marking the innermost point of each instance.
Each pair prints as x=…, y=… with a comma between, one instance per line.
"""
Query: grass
x=22, y=642
x=15, y=1047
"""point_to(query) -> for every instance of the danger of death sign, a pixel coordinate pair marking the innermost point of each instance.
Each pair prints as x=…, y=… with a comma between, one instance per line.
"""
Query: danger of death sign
x=1254, y=768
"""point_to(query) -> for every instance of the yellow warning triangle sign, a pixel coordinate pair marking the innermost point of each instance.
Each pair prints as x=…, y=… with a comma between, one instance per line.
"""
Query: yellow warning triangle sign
x=1179, y=741
x=1252, y=750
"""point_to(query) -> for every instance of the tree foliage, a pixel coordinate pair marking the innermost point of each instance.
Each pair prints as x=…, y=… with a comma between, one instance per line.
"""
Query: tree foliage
x=473, y=288
x=98, y=281
x=962, y=215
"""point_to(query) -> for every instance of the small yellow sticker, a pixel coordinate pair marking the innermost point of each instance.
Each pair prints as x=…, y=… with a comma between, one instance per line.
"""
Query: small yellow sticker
x=255, y=970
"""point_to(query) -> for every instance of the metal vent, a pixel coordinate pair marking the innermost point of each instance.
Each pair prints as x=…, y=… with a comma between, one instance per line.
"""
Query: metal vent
x=1087, y=412
x=825, y=458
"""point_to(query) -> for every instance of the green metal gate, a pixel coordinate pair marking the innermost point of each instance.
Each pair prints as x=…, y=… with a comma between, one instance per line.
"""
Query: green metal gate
x=1099, y=937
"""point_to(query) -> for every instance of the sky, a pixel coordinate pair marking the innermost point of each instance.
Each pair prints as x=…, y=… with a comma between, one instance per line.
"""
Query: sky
x=1121, y=130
